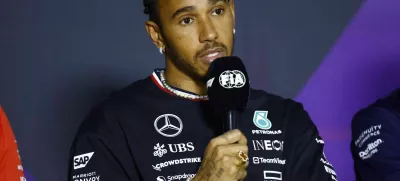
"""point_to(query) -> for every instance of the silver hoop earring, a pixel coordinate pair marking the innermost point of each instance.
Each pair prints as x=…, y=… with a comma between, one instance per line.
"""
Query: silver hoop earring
x=161, y=50
x=234, y=30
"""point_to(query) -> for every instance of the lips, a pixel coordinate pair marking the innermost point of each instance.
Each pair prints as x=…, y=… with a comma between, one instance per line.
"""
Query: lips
x=212, y=54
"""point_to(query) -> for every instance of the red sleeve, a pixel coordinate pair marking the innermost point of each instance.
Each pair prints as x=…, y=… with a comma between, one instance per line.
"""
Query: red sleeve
x=10, y=163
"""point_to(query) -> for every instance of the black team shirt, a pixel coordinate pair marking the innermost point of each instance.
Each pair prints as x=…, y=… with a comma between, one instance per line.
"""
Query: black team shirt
x=143, y=133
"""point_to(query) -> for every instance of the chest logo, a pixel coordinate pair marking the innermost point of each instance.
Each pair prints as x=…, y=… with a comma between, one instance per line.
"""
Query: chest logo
x=168, y=125
x=261, y=121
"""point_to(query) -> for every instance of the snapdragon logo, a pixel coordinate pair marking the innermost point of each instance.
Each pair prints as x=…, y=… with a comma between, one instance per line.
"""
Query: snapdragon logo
x=176, y=177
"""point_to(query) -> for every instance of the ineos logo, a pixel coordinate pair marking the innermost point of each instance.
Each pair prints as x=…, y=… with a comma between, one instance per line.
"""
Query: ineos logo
x=232, y=79
x=170, y=126
x=267, y=145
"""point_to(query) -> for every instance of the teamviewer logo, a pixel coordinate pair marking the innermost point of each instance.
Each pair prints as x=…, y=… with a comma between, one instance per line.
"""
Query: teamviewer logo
x=81, y=161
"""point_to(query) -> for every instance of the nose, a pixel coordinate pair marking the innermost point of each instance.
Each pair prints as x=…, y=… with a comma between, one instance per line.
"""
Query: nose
x=208, y=31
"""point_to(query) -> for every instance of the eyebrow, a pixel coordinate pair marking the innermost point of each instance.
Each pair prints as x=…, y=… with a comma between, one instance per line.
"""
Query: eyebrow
x=192, y=8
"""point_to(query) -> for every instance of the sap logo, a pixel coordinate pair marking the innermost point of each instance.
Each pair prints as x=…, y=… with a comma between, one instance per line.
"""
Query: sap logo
x=81, y=161
x=232, y=79
x=268, y=145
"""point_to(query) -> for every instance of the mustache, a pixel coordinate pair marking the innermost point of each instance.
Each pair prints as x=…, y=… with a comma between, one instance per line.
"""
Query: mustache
x=210, y=46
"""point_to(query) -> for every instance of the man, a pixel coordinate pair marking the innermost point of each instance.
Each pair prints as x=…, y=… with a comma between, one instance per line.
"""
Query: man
x=161, y=128
x=375, y=143
x=10, y=163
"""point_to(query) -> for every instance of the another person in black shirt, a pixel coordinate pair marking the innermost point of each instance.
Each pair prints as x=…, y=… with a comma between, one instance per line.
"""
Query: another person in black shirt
x=375, y=144
x=160, y=128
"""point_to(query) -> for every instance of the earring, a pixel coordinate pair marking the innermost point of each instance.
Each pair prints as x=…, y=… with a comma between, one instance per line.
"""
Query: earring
x=161, y=50
x=234, y=30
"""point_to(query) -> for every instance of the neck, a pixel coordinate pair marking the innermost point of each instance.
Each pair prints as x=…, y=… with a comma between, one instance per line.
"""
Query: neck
x=181, y=80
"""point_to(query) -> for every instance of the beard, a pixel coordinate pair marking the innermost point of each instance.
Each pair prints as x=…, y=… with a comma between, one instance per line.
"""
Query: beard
x=193, y=67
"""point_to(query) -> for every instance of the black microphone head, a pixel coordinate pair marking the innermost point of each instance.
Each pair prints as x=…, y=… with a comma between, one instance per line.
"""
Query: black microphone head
x=228, y=85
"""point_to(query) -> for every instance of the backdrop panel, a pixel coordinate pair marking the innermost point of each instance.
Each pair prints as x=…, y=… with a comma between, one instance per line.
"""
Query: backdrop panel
x=363, y=66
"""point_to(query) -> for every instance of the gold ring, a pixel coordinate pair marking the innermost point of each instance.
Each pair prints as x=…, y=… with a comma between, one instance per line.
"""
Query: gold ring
x=243, y=157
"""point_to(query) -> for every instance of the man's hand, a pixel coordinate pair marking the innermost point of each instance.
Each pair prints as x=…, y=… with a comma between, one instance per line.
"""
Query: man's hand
x=220, y=160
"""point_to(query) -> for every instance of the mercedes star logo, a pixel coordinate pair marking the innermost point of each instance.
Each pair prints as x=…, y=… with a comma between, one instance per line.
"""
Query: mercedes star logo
x=168, y=125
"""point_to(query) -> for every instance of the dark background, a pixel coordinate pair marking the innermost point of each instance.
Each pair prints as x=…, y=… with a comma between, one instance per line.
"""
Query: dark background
x=59, y=58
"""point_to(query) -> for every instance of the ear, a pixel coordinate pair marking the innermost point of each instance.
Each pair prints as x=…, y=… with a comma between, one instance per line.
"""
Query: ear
x=232, y=6
x=154, y=32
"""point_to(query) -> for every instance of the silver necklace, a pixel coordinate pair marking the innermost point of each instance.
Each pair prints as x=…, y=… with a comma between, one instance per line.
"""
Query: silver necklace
x=178, y=92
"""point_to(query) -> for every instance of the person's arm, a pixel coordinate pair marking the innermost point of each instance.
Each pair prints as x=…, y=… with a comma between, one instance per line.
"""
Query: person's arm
x=10, y=163
x=376, y=144
x=100, y=152
x=307, y=158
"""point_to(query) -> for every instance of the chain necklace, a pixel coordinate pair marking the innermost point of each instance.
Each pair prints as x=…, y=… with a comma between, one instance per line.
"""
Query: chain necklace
x=178, y=92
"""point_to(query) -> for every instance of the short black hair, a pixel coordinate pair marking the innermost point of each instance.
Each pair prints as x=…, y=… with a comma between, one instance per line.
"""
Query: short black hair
x=150, y=9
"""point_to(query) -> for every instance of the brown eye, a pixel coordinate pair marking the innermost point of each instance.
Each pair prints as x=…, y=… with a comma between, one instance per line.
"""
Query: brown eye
x=218, y=11
x=186, y=21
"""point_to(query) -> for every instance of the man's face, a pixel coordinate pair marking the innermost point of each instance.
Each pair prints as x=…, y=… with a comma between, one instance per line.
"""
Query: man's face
x=195, y=32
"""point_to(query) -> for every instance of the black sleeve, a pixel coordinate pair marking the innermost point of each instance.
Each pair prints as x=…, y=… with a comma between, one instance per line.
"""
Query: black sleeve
x=100, y=152
x=375, y=144
x=307, y=158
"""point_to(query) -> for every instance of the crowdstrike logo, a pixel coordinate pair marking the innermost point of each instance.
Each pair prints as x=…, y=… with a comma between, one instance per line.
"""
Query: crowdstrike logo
x=81, y=161
x=232, y=79
x=159, y=166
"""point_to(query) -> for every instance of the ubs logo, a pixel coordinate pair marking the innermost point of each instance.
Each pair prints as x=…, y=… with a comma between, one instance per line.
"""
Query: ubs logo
x=267, y=145
x=168, y=125
x=173, y=148
x=232, y=79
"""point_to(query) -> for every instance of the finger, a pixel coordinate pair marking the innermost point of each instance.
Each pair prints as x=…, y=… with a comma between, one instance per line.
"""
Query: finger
x=234, y=136
x=241, y=174
x=239, y=162
x=229, y=137
x=231, y=150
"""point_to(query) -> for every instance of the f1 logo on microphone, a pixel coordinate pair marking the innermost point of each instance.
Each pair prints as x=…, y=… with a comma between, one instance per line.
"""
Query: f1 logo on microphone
x=232, y=79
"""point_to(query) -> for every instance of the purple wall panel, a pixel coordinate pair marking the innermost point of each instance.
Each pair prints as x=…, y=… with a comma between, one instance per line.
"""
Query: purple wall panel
x=363, y=66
